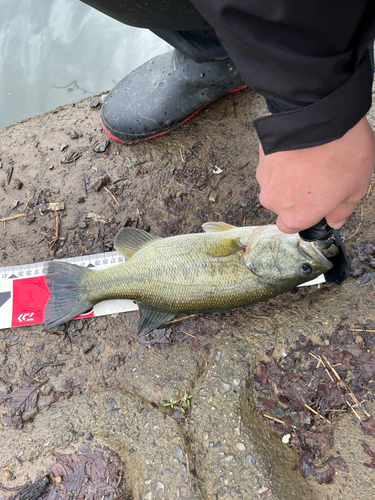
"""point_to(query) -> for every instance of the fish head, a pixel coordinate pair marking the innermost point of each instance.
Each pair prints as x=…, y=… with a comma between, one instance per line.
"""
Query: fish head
x=284, y=259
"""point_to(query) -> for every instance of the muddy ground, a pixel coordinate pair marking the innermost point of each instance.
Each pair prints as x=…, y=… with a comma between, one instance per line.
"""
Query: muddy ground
x=86, y=404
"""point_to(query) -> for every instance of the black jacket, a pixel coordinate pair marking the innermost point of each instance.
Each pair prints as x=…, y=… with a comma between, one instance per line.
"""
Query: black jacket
x=311, y=59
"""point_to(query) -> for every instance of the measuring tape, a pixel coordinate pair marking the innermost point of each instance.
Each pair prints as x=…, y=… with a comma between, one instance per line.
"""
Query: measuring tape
x=24, y=292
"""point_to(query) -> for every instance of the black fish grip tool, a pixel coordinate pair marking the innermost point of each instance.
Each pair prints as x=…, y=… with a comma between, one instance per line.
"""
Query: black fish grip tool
x=325, y=236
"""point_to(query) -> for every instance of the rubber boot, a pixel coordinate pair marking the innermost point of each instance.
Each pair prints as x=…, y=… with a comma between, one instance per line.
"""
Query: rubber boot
x=163, y=93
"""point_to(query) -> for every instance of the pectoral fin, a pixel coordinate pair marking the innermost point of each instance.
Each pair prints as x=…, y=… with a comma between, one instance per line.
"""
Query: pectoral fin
x=226, y=247
x=129, y=240
x=214, y=227
x=151, y=318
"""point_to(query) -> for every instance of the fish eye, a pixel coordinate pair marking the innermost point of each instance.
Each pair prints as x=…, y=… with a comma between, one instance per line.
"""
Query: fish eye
x=306, y=268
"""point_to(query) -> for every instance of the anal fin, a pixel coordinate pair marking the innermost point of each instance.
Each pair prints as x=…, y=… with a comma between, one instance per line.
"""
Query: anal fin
x=151, y=318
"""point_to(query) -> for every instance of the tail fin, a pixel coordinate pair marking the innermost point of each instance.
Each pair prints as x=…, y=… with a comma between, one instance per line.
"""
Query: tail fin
x=68, y=298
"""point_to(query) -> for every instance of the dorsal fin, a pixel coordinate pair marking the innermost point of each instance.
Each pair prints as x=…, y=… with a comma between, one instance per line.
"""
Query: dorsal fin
x=129, y=240
x=214, y=227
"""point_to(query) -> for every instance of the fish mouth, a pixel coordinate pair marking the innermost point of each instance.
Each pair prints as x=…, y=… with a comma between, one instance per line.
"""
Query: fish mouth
x=311, y=250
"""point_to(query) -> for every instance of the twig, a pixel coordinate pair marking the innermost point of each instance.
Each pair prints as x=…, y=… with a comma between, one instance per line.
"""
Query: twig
x=316, y=413
x=57, y=223
x=28, y=202
x=190, y=335
x=188, y=470
x=113, y=196
x=177, y=320
x=353, y=410
x=363, y=330
x=11, y=217
x=277, y=420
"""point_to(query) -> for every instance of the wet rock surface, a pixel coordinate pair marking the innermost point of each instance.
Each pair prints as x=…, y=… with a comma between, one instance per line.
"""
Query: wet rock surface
x=172, y=415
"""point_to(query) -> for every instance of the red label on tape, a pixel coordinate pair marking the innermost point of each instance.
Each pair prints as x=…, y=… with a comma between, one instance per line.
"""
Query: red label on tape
x=30, y=296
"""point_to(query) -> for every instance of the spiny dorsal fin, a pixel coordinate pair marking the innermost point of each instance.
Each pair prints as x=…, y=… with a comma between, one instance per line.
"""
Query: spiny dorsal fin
x=129, y=240
x=214, y=227
x=151, y=318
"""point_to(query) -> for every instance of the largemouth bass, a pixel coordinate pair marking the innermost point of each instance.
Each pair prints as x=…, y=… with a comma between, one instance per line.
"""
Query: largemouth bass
x=222, y=268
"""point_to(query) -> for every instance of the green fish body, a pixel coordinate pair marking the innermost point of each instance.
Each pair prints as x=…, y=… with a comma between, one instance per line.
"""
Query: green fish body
x=223, y=268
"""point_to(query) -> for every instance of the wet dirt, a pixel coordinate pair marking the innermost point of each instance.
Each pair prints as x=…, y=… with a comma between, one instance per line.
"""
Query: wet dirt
x=94, y=380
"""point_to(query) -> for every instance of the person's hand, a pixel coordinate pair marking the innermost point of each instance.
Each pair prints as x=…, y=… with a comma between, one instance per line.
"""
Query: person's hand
x=305, y=185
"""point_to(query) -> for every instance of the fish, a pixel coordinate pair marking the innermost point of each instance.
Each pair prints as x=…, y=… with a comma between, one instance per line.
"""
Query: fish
x=219, y=269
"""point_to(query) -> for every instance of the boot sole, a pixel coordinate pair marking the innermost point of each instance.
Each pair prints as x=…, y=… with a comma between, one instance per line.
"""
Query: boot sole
x=172, y=128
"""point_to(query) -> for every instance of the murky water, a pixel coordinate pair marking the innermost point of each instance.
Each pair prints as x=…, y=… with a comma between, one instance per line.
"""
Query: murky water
x=53, y=52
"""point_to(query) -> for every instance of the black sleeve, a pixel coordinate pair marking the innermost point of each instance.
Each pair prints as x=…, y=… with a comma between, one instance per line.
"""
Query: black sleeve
x=311, y=59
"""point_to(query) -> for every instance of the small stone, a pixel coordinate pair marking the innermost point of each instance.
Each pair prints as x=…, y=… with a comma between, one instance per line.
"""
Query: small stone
x=237, y=381
x=178, y=452
x=372, y=262
x=250, y=460
x=326, y=342
x=57, y=479
x=225, y=387
x=15, y=203
x=241, y=446
x=101, y=147
x=168, y=472
x=229, y=460
x=8, y=474
x=205, y=435
x=184, y=469
x=75, y=134
x=50, y=167
x=101, y=181
x=80, y=199
x=63, y=146
x=218, y=356
x=365, y=278
x=286, y=438
x=111, y=403
x=82, y=225
x=222, y=492
x=357, y=272
x=159, y=488
x=55, y=190
x=175, y=461
x=94, y=103
x=17, y=183
x=243, y=203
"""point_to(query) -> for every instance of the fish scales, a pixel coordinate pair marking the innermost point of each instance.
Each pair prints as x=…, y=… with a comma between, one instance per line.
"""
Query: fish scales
x=179, y=274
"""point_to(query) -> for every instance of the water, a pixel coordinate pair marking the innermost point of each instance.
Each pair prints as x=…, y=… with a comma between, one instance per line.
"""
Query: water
x=54, y=52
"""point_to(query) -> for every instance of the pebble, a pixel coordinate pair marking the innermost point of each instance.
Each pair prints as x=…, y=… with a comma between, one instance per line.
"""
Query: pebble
x=82, y=225
x=225, y=387
x=286, y=438
x=101, y=147
x=222, y=492
x=159, y=488
x=241, y=446
x=75, y=134
x=17, y=183
x=184, y=469
x=250, y=460
x=101, y=181
x=94, y=103
x=372, y=262
x=55, y=190
x=80, y=199
x=175, y=461
x=218, y=356
x=237, y=381
x=168, y=472
x=63, y=146
x=365, y=278
x=111, y=403
x=8, y=474
x=229, y=460
x=178, y=452
x=50, y=167
x=205, y=435
x=243, y=203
